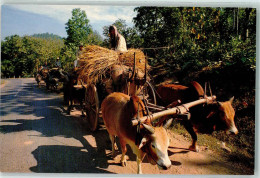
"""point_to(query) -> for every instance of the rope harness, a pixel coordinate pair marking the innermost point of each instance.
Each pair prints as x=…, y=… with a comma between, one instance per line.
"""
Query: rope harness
x=138, y=131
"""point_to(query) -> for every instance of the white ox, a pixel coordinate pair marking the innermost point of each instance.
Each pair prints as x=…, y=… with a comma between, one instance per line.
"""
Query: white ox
x=118, y=110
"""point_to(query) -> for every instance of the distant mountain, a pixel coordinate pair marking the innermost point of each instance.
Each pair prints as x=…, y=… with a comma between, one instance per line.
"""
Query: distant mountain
x=47, y=36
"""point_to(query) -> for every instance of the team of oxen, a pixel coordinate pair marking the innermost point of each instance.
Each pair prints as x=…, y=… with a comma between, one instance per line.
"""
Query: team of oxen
x=149, y=138
x=51, y=77
x=118, y=111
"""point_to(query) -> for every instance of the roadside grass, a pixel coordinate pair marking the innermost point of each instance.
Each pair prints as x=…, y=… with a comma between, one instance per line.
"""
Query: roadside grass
x=206, y=140
x=240, y=155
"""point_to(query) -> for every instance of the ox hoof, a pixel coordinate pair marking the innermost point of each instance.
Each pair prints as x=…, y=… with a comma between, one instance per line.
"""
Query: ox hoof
x=113, y=155
x=194, y=148
x=123, y=163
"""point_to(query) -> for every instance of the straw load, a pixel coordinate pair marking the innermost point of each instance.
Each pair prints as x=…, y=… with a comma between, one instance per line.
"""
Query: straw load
x=96, y=61
x=127, y=58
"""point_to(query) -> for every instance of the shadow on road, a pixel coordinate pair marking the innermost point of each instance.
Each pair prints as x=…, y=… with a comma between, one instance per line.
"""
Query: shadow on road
x=67, y=159
x=46, y=116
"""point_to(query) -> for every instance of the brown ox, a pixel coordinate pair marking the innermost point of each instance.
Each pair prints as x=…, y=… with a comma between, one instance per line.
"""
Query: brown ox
x=73, y=95
x=204, y=118
x=118, y=110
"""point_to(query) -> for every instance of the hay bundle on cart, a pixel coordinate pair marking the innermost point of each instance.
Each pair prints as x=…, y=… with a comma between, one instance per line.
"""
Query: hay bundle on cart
x=127, y=58
x=95, y=61
x=115, y=71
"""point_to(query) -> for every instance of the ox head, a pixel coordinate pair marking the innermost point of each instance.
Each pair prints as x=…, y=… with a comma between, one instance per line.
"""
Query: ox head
x=155, y=144
x=225, y=117
x=227, y=114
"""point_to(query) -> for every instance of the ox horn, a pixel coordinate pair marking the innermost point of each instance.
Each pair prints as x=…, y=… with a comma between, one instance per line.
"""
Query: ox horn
x=149, y=128
x=168, y=123
x=219, y=103
x=231, y=99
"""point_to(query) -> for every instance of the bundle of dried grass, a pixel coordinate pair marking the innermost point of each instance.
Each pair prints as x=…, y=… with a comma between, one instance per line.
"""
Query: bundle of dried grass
x=95, y=61
x=127, y=58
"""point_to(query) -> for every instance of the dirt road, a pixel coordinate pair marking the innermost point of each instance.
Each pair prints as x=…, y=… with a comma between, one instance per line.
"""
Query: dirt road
x=37, y=135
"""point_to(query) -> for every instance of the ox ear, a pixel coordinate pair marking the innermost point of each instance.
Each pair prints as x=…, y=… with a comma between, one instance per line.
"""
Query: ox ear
x=149, y=128
x=168, y=123
x=143, y=141
x=231, y=99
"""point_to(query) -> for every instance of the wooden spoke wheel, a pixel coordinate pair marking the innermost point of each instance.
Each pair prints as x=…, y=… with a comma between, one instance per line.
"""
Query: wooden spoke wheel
x=92, y=106
x=149, y=93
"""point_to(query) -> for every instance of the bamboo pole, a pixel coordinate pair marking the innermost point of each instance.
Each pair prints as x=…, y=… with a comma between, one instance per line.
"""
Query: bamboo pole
x=176, y=110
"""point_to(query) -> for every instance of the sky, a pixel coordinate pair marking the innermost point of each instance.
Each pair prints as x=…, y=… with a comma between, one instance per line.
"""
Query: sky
x=30, y=19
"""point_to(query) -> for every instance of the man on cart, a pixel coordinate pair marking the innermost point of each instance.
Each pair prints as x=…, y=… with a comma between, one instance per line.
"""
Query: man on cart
x=117, y=41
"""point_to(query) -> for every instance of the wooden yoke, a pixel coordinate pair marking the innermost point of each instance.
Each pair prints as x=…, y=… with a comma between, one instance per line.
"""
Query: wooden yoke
x=182, y=109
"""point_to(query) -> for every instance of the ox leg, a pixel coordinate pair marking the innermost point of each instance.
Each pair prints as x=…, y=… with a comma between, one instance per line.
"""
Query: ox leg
x=114, y=147
x=124, y=150
x=69, y=107
x=188, y=126
x=139, y=158
x=70, y=104
x=82, y=108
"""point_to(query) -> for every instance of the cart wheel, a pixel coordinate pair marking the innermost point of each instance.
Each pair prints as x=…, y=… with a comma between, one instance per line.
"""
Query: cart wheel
x=92, y=106
x=148, y=91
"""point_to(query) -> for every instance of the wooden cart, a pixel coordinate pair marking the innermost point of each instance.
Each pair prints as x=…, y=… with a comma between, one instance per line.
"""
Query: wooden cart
x=93, y=99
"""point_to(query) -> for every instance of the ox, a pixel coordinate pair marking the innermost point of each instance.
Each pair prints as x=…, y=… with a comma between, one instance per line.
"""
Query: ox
x=73, y=95
x=118, y=109
x=204, y=118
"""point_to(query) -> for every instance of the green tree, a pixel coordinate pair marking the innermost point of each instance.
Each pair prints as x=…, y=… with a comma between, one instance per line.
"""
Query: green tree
x=78, y=28
x=21, y=56
x=198, y=37
x=12, y=51
x=79, y=32
x=94, y=38
x=133, y=38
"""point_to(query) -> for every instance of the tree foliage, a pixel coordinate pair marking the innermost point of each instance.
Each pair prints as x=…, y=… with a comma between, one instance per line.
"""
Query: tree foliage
x=197, y=37
x=21, y=56
x=47, y=36
x=79, y=32
x=77, y=28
